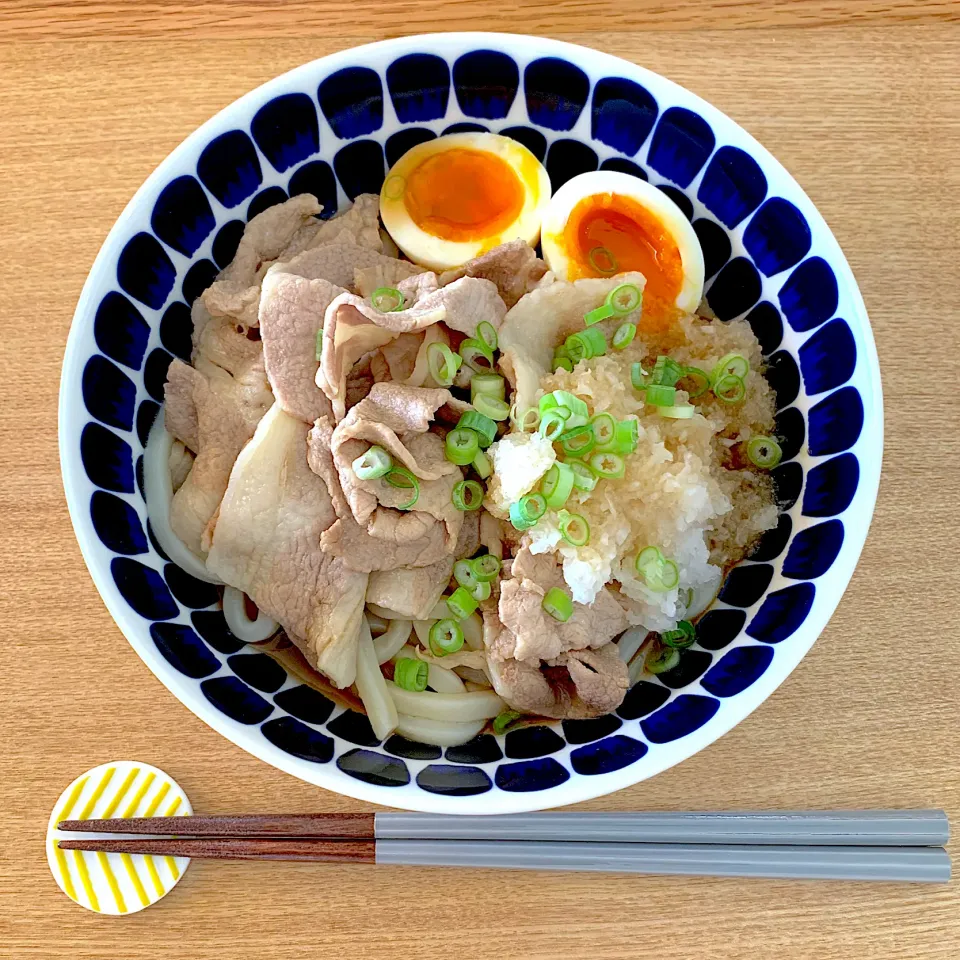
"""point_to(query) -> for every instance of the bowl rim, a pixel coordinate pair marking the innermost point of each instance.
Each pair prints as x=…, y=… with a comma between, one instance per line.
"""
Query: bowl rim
x=578, y=787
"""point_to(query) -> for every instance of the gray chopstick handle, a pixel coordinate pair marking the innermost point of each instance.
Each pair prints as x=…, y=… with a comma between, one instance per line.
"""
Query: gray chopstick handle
x=915, y=864
x=840, y=827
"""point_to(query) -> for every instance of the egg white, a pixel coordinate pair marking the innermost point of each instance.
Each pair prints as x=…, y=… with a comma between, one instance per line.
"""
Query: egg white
x=646, y=195
x=436, y=253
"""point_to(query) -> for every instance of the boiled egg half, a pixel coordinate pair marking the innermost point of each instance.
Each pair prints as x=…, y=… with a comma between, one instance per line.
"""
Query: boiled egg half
x=451, y=199
x=603, y=223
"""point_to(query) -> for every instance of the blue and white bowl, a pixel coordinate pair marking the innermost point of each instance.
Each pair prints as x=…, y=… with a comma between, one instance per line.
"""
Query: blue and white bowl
x=329, y=128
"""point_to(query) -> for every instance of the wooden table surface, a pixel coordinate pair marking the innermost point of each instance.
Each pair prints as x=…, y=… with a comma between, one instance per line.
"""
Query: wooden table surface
x=861, y=102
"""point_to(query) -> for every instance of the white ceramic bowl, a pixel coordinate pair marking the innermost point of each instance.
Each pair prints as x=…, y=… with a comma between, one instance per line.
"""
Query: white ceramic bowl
x=323, y=128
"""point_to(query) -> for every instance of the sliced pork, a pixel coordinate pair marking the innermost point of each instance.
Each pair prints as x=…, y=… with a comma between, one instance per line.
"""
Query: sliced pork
x=514, y=267
x=530, y=633
x=228, y=410
x=397, y=418
x=221, y=340
x=353, y=327
x=540, y=665
x=267, y=543
x=291, y=317
x=387, y=272
x=411, y=592
x=399, y=539
x=180, y=408
x=542, y=320
x=282, y=232
x=574, y=686
x=340, y=261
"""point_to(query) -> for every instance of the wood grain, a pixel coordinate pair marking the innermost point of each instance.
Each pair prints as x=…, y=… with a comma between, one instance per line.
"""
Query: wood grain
x=327, y=826
x=246, y=19
x=866, y=116
x=237, y=848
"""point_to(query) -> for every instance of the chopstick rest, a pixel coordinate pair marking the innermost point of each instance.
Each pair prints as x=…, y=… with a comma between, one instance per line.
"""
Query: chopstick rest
x=115, y=883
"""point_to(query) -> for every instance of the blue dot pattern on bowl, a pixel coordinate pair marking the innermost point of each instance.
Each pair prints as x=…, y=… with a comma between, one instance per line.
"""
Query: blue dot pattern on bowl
x=335, y=138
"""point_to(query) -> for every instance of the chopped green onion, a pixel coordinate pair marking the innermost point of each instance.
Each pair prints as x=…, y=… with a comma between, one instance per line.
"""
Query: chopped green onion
x=387, y=299
x=532, y=507
x=682, y=411
x=461, y=604
x=574, y=528
x=446, y=636
x=517, y=518
x=394, y=187
x=729, y=388
x=578, y=442
x=603, y=312
x=502, y=721
x=586, y=344
x=486, y=567
x=647, y=556
x=701, y=381
x=443, y=363
x=604, y=428
x=627, y=436
x=607, y=466
x=403, y=479
x=557, y=484
x=481, y=463
x=764, y=452
x=624, y=299
x=661, y=396
x=733, y=364
x=477, y=355
x=461, y=446
x=558, y=604
x=572, y=402
x=562, y=363
x=659, y=573
x=583, y=477
x=467, y=495
x=410, y=674
x=526, y=422
x=481, y=591
x=464, y=574
x=552, y=425
x=492, y=407
x=660, y=659
x=682, y=637
x=548, y=404
x=603, y=261
x=375, y=463
x=319, y=344
x=487, y=332
x=484, y=427
x=666, y=372
x=488, y=384
x=624, y=336
x=638, y=377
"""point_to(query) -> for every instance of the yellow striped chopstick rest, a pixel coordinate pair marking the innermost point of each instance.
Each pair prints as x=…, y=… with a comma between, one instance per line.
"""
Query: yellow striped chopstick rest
x=111, y=882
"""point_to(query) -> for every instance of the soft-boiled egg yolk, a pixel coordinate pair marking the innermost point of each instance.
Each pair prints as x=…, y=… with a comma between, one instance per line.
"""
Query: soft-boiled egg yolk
x=604, y=223
x=608, y=233
x=463, y=195
x=453, y=198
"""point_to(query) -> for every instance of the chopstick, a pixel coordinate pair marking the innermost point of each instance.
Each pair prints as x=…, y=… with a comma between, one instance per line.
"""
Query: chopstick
x=825, y=828
x=809, y=862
